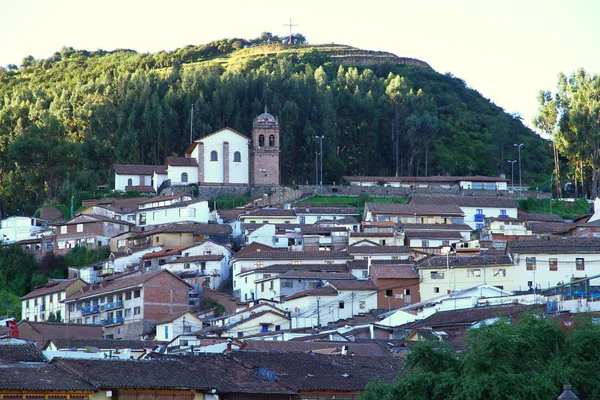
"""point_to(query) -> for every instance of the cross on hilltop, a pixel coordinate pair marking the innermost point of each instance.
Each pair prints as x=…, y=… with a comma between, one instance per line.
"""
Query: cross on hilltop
x=290, y=25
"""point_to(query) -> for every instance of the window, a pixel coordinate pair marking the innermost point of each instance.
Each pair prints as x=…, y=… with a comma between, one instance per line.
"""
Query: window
x=503, y=213
x=184, y=177
x=166, y=332
x=437, y=275
x=445, y=243
x=80, y=227
x=479, y=211
x=143, y=219
x=553, y=264
x=214, y=156
x=271, y=140
x=288, y=284
x=341, y=305
x=579, y=264
x=240, y=334
x=128, y=312
x=237, y=156
x=499, y=272
x=186, y=266
x=530, y=263
x=277, y=327
x=137, y=310
x=389, y=292
x=259, y=264
x=63, y=229
x=302, y=220
x=261, y=141
x=129, y=182
x=424, y=243
x=436, y=289
x=264, y=327
x=474, y=272
x=136, y=293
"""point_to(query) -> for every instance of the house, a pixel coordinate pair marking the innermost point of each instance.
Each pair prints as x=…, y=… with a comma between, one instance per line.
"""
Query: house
x=397, y=285
x=543, y=263
x=414, y=213
x=390, y=238
x=246, y=260
x=443, y=274
x=259, y=318
x=337, y=300
x=155, y=260
x=14, y=229
x=311, y=215
x=475, y=208
x=501, y=230
x=463, y=229
x=224, y=157
x=73, y=347
x=41, y=332
x=273, y=216
x=130, y=305
x=47, y=300
x=455, y=183
x=288, y=283
x=38, y=246
x=430, y=240
x=173, y=325
x=170, y=209
x=364, y=250
x=135, y=177
x=91, y=231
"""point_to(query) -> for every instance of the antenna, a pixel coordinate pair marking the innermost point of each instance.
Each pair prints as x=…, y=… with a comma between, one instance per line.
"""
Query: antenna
x=191, y=122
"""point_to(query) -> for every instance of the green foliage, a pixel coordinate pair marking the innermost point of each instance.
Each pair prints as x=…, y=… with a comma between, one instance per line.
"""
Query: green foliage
x=81, y=256
x=65, y=120
x=531, y=359
x=229, y=202
x=565, y=209
x=16, y=269
x=10, y=304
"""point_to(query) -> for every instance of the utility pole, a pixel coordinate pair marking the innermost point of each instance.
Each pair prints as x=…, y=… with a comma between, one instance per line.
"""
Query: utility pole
x=321, y=154
x=518, y=146
x=318, y=314
x=512, y=173
x=191, y=123
x=484, y=250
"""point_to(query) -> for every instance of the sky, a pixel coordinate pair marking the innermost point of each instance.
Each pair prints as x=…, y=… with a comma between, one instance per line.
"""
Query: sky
x=507, y=50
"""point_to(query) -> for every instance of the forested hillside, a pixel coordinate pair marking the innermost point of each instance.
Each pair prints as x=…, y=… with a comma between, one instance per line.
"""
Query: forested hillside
x=65, y=120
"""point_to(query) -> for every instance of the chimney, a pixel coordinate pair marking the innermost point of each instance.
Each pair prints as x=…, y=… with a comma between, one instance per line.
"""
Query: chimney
x=229, y=344
x=369, y=267
x=14, y=329
x=344, y=350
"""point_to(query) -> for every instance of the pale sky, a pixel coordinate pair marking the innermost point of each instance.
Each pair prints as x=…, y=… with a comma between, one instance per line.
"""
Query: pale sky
x=507, y=50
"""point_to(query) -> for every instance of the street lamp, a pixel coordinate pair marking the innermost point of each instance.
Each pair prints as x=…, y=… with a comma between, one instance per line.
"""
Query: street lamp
x=321, y=154
x=518, y=146
x=512, y=173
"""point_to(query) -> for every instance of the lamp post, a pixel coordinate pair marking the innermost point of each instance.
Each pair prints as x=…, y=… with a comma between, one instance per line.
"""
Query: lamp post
x=321, y=154
x=512, y=173
x=518, y=146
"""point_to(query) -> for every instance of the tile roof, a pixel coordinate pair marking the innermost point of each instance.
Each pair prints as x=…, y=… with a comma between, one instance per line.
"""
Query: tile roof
x=195, y=228
x=322, y=229
x=165, y=252
x=414, y=234
x=464, y=261
x=353, y=285
x=467, y=316
x=131, y=169
x=303, y=267
x=228, y=376
x=83, y=343
x=292, y=255
x=146, y=374
x=555, y=246
x=327, y=210
x=424, y=179
x=116, y=205
x=372, y=234
x=393, y=272
x=270, y=212
x=53, y=286
x=320, y=291
x=230, y=215
x=255, y=246
x=315, y=275
x=15, y=353
x=116, y=284
x=141, y=189
x=40, y=377
x=437, y=227
x=192, y=259
x=42, y=331
x=89, y=218
x=362, y=264
x=378, y=249
x=549, y=227
x=414, y=208
x=467, y=201
x=301, y=371
x=357, y=349
x=525, y=216
x=160, y=169
x=278, y=226
x=181, y=162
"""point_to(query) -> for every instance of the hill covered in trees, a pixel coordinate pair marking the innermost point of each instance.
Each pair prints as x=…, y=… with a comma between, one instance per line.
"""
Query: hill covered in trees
x=65, y=120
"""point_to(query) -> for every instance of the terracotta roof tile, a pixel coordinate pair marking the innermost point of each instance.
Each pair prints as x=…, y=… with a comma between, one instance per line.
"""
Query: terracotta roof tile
x=425, y=179
x=53, y=286
x=467, y=201
x=181, y=162
x=393, y=272
x=414, y=208
x=132, y=169
x=354, y=249
x=353, y=285
x=327, y=210
x=293, y=255
x=464, y=261
x=40, y=377
x=270, y=212
x=356, y=349
x=555, y=246
x=15, y=353
x=83, y=343
x=320, y=291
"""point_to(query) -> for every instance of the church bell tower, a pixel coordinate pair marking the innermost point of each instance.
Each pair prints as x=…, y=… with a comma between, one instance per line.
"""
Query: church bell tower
x=264, y=170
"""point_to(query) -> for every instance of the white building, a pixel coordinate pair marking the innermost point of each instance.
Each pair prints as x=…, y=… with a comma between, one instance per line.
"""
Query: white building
x=14, y=229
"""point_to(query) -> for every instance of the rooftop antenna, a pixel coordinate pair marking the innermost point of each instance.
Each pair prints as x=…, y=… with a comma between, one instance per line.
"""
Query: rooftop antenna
x=290, y=25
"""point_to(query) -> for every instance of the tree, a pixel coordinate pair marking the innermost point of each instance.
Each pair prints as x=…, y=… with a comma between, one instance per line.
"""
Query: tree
x=547, y=122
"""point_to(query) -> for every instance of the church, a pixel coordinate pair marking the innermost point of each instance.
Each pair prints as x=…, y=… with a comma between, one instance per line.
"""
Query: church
x=223, y=158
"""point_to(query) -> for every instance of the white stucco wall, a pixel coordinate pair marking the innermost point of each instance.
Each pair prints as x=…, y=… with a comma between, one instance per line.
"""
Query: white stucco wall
x=213, y=170
x=174, y=174
x=136, y=180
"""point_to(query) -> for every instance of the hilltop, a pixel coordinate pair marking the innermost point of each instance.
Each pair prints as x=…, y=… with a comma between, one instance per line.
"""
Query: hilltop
x=65, y=120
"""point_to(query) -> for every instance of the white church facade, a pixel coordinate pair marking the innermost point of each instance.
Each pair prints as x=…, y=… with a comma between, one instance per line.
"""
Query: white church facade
x=223, y=158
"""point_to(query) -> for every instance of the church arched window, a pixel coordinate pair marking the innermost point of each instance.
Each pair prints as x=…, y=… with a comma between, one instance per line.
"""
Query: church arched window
x=272, y=141
x=184, y=177
x=237, y=157
x=214, y=156
x=261, y=141
x=129, y=182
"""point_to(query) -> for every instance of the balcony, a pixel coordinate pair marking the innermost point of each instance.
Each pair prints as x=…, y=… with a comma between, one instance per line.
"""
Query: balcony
x=112, y=321
x=112, y=305
x=503, y=216
x=479, y=217
x=88, y=310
